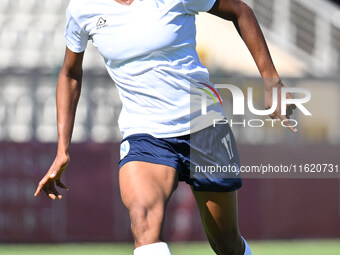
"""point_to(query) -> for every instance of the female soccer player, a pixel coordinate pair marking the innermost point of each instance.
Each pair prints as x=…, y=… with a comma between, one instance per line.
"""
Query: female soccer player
x=149, y=51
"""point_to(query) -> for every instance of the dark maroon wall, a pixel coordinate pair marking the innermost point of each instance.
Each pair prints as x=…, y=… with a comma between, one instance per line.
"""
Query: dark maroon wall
x=92, y=209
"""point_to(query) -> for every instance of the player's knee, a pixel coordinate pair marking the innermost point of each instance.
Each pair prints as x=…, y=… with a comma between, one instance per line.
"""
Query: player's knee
x=138, y=218
x=228, y=245
x=145, y=223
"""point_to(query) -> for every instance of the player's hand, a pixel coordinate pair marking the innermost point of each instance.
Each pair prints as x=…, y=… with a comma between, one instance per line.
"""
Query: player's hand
x=52, y=178
x=277, y=114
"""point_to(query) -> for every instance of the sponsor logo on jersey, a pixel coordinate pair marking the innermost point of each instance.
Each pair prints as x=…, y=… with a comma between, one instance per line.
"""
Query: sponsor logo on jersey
x=101, y=23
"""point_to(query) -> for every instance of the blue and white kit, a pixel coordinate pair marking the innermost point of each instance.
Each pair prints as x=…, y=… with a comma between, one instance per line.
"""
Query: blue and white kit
x=149, y=49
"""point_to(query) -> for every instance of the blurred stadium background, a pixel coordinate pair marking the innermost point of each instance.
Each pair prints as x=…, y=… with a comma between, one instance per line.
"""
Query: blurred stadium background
x=304, y=38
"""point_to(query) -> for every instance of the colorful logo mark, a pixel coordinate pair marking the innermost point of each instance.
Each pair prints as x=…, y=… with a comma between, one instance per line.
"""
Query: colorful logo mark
x=210, y=94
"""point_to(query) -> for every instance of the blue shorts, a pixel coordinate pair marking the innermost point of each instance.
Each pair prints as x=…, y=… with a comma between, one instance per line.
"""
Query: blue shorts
x=208, y=159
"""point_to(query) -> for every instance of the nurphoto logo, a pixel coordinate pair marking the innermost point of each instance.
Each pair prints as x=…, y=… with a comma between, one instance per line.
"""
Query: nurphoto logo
x=239, y=100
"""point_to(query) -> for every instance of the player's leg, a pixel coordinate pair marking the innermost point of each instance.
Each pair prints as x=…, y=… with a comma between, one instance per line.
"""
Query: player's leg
x=218, y=212
x=145, y=189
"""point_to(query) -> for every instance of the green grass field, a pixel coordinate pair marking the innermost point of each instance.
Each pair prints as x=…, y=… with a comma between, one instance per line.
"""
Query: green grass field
x=310, y=247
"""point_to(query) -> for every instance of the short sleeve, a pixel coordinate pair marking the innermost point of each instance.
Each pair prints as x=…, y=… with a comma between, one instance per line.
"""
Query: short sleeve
x=75, y=36
x=195, y=6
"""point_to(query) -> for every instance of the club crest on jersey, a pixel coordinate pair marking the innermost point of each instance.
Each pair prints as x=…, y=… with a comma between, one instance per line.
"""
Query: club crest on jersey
x=101, y=23
x=124, y=149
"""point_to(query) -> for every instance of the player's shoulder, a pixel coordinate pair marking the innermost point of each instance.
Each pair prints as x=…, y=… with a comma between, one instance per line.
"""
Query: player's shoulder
x=195, y=6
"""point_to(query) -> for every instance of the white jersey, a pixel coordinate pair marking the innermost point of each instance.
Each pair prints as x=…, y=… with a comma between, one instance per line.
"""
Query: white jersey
x=149, y=50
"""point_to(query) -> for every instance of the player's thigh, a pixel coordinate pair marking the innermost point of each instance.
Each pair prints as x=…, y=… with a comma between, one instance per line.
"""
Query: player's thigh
x=146, y=185
x=219, y=214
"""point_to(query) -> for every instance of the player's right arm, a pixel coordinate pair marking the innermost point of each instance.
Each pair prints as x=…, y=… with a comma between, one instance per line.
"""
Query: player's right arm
x=68, y=93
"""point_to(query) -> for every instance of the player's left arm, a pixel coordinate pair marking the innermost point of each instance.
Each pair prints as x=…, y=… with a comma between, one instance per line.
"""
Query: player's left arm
x=248, y=27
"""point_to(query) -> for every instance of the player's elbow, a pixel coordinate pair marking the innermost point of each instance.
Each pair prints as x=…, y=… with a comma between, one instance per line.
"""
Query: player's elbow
x=240, y=9
x=75, y=73
x=73, y=65
x=230, y=9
